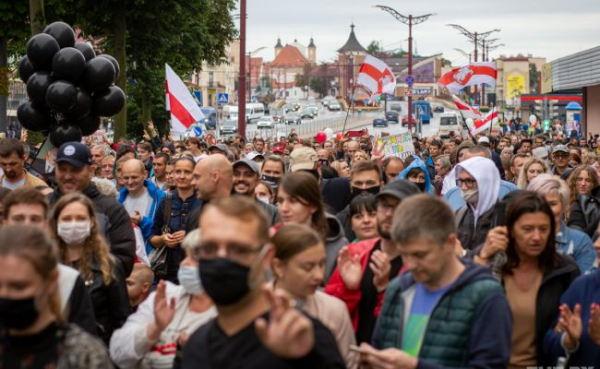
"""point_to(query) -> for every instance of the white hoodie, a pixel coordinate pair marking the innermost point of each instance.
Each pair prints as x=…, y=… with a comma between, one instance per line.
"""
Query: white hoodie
x=486, y=174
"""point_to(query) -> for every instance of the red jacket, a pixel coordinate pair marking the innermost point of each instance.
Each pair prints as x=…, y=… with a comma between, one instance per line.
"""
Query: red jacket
x=337, y=288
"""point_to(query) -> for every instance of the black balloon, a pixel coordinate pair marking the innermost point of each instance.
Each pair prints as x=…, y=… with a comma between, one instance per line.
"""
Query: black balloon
x=114, y=62
x=108, y=102
x=62, y=32
x=40, y=51
x=69, y=64
x=86, y=49
x=61, y=96
x=33, y=118
x=99, y=74
x=37, y=86
x=65, y=132
x=25, y=69
x=82, y=107
x=89, y=124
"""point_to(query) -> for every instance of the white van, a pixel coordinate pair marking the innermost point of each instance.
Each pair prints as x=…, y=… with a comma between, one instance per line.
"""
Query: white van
x=449, y=122
x=253, y=112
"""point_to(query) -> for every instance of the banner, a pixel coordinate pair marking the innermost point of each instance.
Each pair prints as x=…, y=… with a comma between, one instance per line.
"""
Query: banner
x=515, y=86
x=376, y=77
x=400, y=145
x=470, y=75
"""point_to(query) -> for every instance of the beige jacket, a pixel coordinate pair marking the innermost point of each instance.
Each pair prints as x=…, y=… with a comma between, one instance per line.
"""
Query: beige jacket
x=30, y=181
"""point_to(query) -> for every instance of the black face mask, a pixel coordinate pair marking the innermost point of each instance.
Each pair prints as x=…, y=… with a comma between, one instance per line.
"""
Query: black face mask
x=421, y=186
x=225, y=281
x=272, y=181
x=18, y=314
x=358, y=191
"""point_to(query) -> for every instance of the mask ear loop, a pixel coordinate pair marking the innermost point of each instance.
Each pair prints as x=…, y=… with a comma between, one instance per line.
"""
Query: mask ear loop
x=258, y=261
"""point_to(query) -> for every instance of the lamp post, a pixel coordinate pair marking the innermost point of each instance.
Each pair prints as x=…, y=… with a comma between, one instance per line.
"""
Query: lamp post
x=477, y=38
x=409, y=21
x=249, y=97
x=242, y=76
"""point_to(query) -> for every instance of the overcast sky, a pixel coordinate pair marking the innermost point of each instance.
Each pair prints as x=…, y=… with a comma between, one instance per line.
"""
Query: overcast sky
x=546, y=28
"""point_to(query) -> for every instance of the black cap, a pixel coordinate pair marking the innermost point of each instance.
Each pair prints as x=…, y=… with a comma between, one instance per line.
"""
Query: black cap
x=74, y=153
x=400, y=189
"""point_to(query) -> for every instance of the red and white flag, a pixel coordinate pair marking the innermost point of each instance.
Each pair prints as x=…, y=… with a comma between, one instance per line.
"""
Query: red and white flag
x=470, y=75
x=485, y=123
x=181, y=103
x=376, y=77
x=466, y=110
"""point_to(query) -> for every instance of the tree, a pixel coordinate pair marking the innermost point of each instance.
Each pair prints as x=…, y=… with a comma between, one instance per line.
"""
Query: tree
x=319, y=85
x=534, y=79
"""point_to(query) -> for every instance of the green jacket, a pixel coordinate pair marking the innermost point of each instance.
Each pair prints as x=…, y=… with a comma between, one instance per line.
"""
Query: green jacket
x=470, y=326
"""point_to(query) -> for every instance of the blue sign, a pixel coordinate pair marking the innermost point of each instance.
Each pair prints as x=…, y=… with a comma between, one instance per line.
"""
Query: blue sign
x=365, y=101
x=198, y=96
x=222, y=98
x=254, y=98
x=410, y=80
x=198, y=131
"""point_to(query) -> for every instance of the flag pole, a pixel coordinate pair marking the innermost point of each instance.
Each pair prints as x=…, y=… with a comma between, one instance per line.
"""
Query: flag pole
x=351, y=106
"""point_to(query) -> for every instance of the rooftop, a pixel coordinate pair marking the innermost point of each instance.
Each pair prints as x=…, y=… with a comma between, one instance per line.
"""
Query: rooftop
x=289, y=56
x=352, y=45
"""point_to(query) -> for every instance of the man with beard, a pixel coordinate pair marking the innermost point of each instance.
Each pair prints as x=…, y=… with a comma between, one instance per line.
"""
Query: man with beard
x=12, y=160
x=246, y=176
x=365, y=268
x=365, y=178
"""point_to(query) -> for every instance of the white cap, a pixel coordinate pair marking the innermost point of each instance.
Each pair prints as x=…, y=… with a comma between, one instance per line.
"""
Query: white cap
x=483, y=139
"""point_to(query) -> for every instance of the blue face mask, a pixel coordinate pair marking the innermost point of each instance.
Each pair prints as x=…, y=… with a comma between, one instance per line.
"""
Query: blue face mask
x=189, y=279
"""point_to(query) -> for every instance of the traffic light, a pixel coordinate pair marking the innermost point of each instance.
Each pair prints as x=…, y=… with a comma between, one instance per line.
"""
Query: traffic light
x=546, y=124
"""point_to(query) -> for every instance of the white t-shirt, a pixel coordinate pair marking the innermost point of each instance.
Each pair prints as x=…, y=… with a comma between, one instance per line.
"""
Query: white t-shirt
x=12, y=186
x=200, y=157
x=141, y=204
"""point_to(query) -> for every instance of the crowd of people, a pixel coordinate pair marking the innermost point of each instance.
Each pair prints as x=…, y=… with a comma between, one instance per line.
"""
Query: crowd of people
x=290, y=253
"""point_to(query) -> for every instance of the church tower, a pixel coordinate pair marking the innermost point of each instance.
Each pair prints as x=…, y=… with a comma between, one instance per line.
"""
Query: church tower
x=278, y=47
x=312, y=52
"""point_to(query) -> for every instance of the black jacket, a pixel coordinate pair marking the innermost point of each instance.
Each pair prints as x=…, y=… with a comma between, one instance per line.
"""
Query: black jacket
x=115, y=224
x=110, y=302
x=81, y=310
x=346, y=222
x=585, y=212
x=337, y=194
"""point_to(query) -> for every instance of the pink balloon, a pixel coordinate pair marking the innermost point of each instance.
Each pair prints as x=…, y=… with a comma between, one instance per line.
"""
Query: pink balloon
x=321, y=137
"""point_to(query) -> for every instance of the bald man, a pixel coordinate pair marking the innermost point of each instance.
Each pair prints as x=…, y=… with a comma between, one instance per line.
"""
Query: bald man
x=213, y=178
x=139, y=196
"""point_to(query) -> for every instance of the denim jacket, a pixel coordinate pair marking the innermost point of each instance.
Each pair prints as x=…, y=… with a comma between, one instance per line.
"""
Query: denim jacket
x=577, y=245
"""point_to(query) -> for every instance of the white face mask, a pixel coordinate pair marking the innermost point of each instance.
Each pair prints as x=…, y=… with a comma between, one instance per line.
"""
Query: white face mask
x=264, y=199
x=470, y=196
x=74, y=232
x=189, y=278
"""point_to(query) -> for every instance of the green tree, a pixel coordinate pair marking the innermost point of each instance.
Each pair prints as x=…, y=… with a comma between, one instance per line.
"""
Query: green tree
x=534, y=79
x=319, y=85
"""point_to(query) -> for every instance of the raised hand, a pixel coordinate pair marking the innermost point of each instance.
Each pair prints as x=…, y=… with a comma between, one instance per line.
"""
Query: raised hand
x=163, y=310
x=380, y=266
x=377, y=154
x=288, y=333
x=570, y=322
x=349, y=268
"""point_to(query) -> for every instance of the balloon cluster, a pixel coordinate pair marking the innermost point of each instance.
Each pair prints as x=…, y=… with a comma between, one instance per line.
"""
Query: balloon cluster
x=69, y=87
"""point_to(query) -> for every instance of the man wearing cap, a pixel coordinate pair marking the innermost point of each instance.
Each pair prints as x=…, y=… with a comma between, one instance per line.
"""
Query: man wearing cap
x=256, y=157
x=246, y=175
x=336, y=191
x=560, y=158
x=365, y=268
x=74, y=173
x=218, y=149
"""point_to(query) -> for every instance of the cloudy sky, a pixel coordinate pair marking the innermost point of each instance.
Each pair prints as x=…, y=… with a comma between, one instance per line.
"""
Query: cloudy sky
x=546, y=28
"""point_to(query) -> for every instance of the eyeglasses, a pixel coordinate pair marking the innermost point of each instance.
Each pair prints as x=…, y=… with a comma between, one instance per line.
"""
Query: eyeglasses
x=234, y=251
x=470, y=183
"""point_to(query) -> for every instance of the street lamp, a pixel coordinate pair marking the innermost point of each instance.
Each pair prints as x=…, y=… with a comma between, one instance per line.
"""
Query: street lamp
x=249, y=97
x=477, y=38
x=410, y=21
x=242, y=76
x=465, y=54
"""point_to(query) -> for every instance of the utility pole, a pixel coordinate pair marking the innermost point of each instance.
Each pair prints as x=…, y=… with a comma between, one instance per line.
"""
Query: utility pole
x=410, y=21
x=477, y=38
x=242, y=76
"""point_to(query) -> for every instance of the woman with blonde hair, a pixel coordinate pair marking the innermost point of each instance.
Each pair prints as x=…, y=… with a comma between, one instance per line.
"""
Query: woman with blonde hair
x=80, y=245
x=34, y=333
x=342, y=168
x=532, y=168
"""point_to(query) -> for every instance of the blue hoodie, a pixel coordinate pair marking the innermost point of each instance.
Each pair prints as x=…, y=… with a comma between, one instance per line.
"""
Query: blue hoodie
x=418, y=163
x=157, y=195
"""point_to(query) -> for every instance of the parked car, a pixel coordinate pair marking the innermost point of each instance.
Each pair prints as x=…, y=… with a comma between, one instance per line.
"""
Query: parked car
x=306, y=113
x=438, y=109
x=315, y=110
x=380, y=122
x=228, y=127
x=405, y=120
x=293, y=118
x=392, y=116
x=334, y=106
x=266, y=122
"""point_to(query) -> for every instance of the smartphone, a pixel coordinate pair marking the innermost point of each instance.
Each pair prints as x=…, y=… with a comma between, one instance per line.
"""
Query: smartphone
x=355, y=348
x=355, y=133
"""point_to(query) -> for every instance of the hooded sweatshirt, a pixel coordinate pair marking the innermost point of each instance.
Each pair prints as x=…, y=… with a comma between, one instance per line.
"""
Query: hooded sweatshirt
x=484, y=171
x=418, y=163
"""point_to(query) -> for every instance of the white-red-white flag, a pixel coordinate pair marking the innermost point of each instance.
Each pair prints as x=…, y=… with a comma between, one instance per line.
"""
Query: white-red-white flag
x=470, y=75
x=376, y=77
x=181, y=103
x=485, y=123
x=466, y=110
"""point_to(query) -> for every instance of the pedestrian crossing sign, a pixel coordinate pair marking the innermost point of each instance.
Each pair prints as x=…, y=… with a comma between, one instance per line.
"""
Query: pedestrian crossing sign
x=222, y=98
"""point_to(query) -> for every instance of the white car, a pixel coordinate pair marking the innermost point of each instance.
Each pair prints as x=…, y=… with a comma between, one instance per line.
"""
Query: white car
x=265, y=122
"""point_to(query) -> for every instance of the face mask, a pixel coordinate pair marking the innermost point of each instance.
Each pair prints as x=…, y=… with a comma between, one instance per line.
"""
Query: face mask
x=18, y=314
x=74, y=232
x=189, y=278
x=358, y=191
x=421, y=186
x=272, y=181
x=324, y=162
x=470, y=196
x=266, y=200
x=225, y=281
